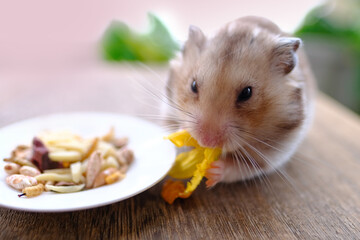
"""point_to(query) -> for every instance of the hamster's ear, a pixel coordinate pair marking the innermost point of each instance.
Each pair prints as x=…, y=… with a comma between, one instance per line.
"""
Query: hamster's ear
x=195, y=42
x=284, y=54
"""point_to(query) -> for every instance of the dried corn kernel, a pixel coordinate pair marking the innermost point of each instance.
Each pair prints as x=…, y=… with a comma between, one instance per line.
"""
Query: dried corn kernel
x=116, y=176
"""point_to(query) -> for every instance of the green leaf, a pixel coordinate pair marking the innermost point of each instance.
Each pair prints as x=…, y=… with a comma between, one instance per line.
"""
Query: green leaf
x=120, y=43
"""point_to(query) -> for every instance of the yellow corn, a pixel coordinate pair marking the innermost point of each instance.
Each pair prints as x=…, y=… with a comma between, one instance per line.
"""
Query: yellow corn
x=116, y=176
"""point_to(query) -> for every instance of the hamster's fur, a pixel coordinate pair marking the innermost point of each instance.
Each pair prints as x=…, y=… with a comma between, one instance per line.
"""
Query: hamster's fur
x=247, y=89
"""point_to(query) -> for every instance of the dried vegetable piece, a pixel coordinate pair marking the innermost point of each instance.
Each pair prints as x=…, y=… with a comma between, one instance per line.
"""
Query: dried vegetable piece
x=171, y=189
x=76, y=171
x=58, y=170
x=109, y=136
x=200, y=157
x=65, y=156
x=54, y=177
x=64, y=189
x=63, y=183
x=109, y=162
x=90, y=149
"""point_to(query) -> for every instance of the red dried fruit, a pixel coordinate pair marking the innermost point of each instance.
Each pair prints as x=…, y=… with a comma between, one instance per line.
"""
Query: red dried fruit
x=40, y=157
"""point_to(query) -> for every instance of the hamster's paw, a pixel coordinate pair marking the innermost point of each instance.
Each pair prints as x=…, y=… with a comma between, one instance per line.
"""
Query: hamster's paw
x=215, y=173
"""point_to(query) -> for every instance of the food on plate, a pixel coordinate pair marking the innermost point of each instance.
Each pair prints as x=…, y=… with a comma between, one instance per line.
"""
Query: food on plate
x=63, y=162
x=20, y=182
x=32, y=191
x=193, y=163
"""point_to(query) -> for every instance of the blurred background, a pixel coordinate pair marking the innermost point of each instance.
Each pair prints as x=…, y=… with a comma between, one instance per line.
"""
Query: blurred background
x=51, y=49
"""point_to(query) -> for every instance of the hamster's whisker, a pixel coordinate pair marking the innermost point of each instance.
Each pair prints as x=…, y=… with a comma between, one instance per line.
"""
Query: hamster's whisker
x=242, y=151
x=164, y=118
x=238, y=158
x=253, y=135
x=160, y=95
x=318, y=161
x=248, y=156
x=282, y=174
x=146, y=67
x=170, y=104
x=252, y=160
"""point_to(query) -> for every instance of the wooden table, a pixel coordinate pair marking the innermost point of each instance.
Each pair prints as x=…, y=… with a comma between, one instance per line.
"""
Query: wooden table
x=317, y=196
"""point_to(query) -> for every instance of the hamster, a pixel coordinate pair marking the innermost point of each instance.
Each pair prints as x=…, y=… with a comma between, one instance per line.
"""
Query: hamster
x=247, y=89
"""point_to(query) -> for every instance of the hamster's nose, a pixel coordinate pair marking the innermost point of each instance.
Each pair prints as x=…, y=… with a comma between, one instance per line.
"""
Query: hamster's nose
x=210, y=133
x=208, y=139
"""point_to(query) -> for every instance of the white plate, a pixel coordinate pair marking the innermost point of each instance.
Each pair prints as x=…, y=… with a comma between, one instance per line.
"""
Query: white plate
x=153, y=158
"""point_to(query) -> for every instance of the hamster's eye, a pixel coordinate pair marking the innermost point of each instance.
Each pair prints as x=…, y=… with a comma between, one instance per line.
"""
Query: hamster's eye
x=194, y=87
x=244, y=95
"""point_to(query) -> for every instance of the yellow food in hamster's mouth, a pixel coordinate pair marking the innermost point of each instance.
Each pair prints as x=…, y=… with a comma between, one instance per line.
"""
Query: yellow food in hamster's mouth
x=193, y=163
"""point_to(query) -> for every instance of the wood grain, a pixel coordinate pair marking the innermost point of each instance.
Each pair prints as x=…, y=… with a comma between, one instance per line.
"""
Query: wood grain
x=315, y=196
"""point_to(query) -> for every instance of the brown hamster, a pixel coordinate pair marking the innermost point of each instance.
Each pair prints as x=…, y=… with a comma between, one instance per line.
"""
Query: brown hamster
x=247, y=89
